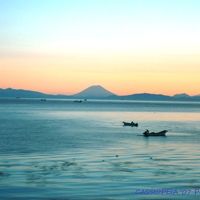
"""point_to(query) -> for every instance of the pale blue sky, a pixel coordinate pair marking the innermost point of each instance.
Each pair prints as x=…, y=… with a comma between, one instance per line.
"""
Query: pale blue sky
x=74, y=25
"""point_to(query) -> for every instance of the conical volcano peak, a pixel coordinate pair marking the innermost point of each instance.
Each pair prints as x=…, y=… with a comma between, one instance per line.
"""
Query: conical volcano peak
x=94, y=91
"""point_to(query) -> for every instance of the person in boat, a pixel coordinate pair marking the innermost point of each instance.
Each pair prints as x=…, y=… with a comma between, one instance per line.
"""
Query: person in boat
x=147, y=131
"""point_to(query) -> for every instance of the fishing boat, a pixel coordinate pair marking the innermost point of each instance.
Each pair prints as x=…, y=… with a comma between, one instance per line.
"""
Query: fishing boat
x=130, y=124
x=161, y=133
x=78, y=101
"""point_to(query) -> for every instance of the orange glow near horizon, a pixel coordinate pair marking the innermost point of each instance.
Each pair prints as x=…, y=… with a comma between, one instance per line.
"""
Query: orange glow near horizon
x=118, y=73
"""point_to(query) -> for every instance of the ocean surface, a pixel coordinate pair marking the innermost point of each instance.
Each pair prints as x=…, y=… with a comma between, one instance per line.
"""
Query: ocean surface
x=62, y=150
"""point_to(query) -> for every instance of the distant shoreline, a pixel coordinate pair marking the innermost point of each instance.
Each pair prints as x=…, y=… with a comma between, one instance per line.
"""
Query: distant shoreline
x=98, y=100
x=96, y=92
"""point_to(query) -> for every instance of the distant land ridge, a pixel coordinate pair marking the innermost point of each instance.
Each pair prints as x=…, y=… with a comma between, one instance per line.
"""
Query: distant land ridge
x=96, y=92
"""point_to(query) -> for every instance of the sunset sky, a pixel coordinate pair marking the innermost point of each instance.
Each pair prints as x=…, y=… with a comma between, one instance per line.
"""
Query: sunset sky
x=127, y=46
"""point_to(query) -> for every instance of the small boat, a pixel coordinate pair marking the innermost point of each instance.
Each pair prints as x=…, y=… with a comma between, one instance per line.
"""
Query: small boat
x=130, y=124
x=161, y=133
x=43, y=100
x=78, y=101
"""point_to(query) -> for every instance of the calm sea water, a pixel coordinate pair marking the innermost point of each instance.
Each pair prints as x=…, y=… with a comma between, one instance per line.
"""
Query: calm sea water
x=64, y=150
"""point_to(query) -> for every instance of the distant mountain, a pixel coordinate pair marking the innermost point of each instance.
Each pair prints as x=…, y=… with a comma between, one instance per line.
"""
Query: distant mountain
x=19, y=93
x=9, y=92
x=147, y=96
x=182, y=95
x=95, y=91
